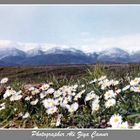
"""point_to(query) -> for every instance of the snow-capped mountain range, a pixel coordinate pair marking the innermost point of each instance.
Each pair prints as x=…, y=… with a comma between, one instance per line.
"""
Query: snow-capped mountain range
x=14, y=56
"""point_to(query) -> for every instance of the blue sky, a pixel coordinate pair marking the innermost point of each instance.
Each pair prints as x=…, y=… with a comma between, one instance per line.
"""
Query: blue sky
x=89, y=28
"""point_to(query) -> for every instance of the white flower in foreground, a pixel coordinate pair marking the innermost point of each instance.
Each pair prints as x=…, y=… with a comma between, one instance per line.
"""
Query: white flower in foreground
x=135, y=81
x=79, y=95
x=2, y=106
x=31, y=88
x=123, y=125
x=34, y=102
x=49, y=103
x=115, y=120
x=109, y=94
x=74, y=87
x=58, y=121
x=115, y=83
x=4, y=80
x=95, y=106
x=126, y=88
x=110, y=102
x=57, y=93
x=50, y=91
x=90, y=96
x=26, y=115
x=51, y=110
x=15, y=97
x=35, y=91
x=136, y=126
x=8, y=93
x=65, y=101
x=72, y=108
x=28, y=98
x=136, y=89
x=42, y=94
x=45, y=87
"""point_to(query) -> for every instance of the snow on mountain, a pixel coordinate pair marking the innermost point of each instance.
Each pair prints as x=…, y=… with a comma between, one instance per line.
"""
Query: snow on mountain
x=6, y=52
x=114, y=52
x=63, y=51
x=13, y=56
x=115, y=55
x=34, y=52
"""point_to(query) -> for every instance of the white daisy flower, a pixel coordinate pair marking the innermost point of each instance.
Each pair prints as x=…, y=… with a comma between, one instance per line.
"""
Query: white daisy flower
x=136, y=126
x=35, y=91
x=74, y=87
x=123, y=125
x=79, y=95
x=72, y=108
x=50, y=91
x=15, y=97
x=135, y=81
x=49, y=103
x=26, y=115
x=57, y=93
x=110, y=102
x=136, y=89
x=4, y=80
x=31, y=88
x=8, y=93
x=115, y=120
x=109, y=94
x=90, y=96
x=51, y=110
x=45, y=87
x=34, y=102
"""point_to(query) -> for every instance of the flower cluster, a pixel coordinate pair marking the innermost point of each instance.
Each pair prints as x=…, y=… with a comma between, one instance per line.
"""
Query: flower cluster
x=96, y=103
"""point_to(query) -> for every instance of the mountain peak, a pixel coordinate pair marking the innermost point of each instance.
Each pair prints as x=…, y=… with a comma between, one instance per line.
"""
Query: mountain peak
x=10, y=51
x=14, y=56
x=35, y=52
x=63, y=51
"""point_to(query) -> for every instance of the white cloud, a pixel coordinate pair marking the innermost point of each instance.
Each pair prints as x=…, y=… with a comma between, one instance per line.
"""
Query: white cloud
x=126, y=42
x=25, y=46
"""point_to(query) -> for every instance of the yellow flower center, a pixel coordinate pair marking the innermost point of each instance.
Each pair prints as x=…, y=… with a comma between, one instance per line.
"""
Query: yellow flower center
x=139, y=88
x=116, y=120
x=136, y=80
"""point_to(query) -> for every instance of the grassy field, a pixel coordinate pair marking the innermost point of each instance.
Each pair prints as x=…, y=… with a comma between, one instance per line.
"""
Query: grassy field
x=70, y=96
x=35, y=74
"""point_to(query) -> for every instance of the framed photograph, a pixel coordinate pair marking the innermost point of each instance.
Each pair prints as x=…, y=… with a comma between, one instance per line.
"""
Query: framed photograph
x=69, y=70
